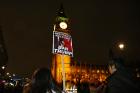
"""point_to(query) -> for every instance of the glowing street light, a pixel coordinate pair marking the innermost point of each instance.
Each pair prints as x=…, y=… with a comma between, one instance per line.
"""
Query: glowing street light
x=14, y=75
x=7, y=73
x=3, y=67
x=121, y=46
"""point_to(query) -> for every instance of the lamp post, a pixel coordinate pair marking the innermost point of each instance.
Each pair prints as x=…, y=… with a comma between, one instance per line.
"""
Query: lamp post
x=2, y=70
x=121, y=47
x=116, y=51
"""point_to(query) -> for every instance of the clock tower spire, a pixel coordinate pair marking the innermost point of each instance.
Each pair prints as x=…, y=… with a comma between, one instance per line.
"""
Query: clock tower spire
x=61, y=11
x=62, y=47
x=61, y=23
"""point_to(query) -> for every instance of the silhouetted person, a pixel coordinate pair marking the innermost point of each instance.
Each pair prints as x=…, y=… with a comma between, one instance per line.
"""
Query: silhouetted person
x=85, y=88
x=120, y=80
x=78, y=84
x=41, y=82
x=18, y=88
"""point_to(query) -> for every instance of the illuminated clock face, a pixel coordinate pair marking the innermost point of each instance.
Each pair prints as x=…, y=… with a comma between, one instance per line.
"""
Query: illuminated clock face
x=63, y=25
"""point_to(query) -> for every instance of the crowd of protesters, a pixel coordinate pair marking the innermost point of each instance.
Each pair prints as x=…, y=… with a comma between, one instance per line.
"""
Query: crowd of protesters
x=119, y=81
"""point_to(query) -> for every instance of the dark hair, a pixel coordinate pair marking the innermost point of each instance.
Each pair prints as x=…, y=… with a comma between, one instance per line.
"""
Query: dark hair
x=42, y=81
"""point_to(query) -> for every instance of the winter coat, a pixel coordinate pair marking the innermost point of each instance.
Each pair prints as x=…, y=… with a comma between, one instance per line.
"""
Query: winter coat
x=120, y=82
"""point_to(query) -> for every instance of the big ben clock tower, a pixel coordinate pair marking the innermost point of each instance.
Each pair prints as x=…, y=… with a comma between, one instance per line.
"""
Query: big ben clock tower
x=62, y=48
x=62, y=23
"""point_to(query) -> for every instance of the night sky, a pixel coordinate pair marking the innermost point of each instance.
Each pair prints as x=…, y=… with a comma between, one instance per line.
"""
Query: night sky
x=96, y=25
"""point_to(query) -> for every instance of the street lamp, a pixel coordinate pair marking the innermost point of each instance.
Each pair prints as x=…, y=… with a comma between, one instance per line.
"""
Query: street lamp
x=7, y=74
x=3, y=67
x=121, y=53
x=116, y=50
x=121, y=46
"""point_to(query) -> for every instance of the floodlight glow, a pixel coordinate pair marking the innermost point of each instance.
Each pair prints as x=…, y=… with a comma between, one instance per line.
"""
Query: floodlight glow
x=121, y=46
x=3, y=67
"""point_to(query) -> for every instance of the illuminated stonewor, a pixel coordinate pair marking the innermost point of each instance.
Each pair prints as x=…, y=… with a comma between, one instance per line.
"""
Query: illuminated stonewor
x=59, y=68
x=90, y=73
x=62, y=47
